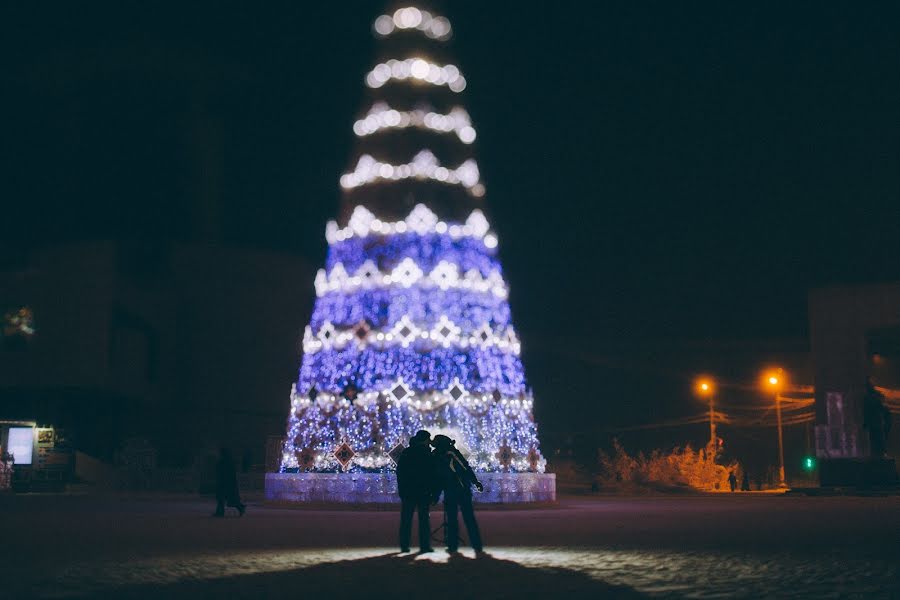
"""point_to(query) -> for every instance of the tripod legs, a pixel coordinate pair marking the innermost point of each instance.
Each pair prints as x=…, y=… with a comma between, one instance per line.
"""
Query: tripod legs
x=443, y=538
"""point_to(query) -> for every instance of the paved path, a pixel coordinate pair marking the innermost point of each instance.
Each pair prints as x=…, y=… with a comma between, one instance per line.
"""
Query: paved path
x=721, y=546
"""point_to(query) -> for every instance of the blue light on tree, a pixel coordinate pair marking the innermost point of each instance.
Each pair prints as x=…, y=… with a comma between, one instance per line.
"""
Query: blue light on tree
x=411, y=329
x=411, y=326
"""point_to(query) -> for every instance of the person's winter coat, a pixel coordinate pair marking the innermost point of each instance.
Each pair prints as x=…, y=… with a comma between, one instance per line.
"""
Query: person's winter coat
x=226, y=479
x=416, y=472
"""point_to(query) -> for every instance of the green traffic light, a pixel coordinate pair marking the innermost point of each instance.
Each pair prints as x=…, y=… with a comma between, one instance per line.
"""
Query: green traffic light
x=809, y=463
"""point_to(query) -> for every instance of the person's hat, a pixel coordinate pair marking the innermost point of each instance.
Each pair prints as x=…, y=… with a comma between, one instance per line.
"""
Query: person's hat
x=442, y=441
x=421, y=437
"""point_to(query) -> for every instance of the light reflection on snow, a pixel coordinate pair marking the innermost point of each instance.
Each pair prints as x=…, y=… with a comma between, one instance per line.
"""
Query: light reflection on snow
x=656, y=573
x=708, y=574
x=81, y=578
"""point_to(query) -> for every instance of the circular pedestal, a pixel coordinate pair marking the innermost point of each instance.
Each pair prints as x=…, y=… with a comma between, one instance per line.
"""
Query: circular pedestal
x=381, y=488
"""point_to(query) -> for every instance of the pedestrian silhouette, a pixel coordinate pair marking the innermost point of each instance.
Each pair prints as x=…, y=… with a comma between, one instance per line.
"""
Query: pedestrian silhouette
x=732, y=481
x=745, y=483
x=416, y=483
x=226, y=485
x=877, y=419
x=456, y=480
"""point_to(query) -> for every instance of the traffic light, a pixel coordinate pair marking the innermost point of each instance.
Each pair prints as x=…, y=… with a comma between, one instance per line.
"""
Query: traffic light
x=809, y=463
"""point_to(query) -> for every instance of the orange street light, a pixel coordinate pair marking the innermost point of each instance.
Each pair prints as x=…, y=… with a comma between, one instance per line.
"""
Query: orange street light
x=706, y=387
x=775, y=381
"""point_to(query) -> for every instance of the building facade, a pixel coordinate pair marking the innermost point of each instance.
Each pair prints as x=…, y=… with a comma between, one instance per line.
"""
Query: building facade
x=855, y=340
x=182, y=346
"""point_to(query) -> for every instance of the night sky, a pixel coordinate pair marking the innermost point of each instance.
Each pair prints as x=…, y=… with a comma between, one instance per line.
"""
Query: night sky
x=655, y=172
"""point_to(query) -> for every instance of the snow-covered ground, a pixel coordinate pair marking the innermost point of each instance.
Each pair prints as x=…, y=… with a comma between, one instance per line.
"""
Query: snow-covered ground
x=709, y=546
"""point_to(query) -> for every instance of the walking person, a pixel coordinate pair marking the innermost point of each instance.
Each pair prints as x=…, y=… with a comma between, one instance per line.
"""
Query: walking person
x=416, y=483
x=877, y=419
x=226, y=485
x=456, y=479
x=732, y=481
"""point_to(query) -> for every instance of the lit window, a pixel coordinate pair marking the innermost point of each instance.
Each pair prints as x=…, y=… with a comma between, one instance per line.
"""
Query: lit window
x=18, y=327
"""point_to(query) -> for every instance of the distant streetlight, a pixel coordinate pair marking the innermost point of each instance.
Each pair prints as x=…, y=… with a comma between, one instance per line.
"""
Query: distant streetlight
x=706, y=388
x=775, y=382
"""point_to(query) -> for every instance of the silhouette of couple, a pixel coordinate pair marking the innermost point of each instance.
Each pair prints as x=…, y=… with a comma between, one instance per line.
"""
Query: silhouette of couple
x=422, y=474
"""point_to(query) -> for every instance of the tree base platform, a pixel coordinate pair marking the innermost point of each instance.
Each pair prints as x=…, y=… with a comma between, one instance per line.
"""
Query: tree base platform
x=381, y=488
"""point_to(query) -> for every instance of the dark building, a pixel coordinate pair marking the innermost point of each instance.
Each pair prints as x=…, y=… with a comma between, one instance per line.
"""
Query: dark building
x=184, y=346
x=855, y=335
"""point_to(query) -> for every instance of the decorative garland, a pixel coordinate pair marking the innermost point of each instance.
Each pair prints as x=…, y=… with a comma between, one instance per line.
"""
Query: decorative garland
x=406, y=274
x=424, y=165
x=433, y=26
x=381, y=116
x=421, y=220
x=445, y=333
x=418, y=70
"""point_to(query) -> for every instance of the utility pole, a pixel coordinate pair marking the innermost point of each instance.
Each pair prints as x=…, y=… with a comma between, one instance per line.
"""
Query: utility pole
x=776, y=382
x=781, y=481
x=705, y=386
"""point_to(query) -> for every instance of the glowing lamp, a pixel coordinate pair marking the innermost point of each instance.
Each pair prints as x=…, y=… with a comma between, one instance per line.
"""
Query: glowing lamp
x=704, y=386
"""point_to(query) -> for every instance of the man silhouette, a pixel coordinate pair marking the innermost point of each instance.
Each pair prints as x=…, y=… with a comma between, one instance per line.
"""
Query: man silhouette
x=226, y=485
x=876, y=418
x=456, y=478
x=416, y=483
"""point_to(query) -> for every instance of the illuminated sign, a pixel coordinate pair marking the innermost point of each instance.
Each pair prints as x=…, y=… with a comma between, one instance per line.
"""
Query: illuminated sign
x=21, y=444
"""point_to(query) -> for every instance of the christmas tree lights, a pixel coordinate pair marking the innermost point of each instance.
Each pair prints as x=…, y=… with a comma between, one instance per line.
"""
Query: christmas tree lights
x=411, y=327
x=410, y=17
x=382, y=116
x=424, y=165
x=420, y=324
x=417, y=70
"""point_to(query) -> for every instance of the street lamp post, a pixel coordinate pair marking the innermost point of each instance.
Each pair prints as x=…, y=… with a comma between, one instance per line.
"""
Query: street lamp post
x=775, y=380
x=706, y=388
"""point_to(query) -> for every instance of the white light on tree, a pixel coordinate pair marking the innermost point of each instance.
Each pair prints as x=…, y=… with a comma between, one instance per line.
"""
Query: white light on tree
x=406, y=333
x=406, y=274
x=424, y=165
x=421, y=220
x=418, y=70
x=434, y=27
x=411, y=327
x=381, y=116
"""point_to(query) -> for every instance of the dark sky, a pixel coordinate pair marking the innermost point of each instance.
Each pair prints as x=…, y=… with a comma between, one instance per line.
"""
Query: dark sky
x=654, y=171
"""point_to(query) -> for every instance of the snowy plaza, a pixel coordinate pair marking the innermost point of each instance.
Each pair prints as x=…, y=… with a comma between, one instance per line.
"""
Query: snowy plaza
x=269, y=290
x=750, y=546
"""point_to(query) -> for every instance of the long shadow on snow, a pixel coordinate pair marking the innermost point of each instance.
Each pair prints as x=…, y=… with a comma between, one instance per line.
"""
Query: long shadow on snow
x=392, y=576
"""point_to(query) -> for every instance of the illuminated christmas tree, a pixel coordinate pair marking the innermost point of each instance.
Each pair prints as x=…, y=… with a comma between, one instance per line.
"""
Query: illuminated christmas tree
x=411, y=327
